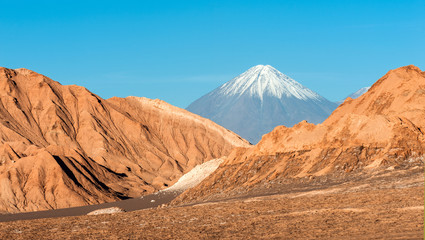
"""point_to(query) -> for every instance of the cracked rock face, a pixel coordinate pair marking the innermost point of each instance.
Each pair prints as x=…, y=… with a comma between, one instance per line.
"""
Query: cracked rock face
x=63, y=146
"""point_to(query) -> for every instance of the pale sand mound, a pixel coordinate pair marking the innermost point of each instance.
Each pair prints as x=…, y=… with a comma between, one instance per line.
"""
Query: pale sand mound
x=106, y=211
x=195, y=176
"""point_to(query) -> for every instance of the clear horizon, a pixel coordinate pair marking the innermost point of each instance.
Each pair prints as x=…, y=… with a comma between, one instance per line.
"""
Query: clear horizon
x=179, y=51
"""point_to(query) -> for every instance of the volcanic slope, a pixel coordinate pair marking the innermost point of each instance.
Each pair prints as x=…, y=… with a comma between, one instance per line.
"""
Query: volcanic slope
x=260, y=99
x=382, y=128
x=63, y=146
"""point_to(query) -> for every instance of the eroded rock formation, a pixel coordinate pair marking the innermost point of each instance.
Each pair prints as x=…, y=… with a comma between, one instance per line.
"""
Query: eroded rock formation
x=63, y=146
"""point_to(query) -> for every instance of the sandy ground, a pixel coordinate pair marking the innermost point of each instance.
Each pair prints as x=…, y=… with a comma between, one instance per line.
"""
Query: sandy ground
x=149, y=201
x=389, y=205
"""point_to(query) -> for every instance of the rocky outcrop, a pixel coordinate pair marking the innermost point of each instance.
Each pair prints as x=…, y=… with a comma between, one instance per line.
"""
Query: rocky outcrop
x=383, y=127
x=63, y=146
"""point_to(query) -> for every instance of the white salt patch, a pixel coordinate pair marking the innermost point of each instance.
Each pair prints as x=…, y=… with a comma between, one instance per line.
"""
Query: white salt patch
x=195, y=176
x=106, y=211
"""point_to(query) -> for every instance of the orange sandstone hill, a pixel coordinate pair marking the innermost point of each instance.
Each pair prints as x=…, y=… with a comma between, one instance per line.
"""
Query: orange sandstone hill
x=383, y=127
x=63, y=146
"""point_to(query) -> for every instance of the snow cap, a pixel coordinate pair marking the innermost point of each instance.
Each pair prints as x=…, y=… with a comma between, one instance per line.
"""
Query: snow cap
x=263, y=80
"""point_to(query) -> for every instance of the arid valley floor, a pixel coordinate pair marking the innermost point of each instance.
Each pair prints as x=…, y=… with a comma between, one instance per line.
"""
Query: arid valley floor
x=383, y=204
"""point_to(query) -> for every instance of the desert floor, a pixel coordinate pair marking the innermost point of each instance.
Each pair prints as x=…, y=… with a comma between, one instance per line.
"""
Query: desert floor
x=387, y=204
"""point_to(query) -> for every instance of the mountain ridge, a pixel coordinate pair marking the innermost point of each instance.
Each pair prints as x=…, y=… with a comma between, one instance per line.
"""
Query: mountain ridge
x=64, y=146
x=383, y=128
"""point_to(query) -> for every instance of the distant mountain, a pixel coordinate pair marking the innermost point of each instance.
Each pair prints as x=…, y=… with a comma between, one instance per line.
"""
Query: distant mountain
x=260, y=99
x=355, y=95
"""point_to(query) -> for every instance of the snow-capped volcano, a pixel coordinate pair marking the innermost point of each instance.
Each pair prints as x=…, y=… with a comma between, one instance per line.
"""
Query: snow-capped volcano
x=355, y=95
x=263, y=80
x=260, y=99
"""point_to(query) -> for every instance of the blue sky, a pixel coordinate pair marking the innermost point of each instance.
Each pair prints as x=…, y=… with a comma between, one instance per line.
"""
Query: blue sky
x=179, y=50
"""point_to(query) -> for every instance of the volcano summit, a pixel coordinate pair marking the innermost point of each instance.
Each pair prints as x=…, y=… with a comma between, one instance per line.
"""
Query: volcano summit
x=260, y=99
